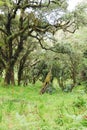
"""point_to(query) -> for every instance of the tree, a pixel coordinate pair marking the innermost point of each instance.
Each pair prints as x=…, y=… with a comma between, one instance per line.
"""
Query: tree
x=21, y=19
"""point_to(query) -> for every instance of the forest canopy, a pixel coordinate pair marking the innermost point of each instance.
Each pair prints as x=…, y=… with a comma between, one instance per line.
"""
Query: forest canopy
x=29, y=44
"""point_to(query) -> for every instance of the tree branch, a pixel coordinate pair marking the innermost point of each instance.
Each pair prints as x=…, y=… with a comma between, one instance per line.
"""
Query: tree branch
x=2, y=62
x=43, y=47
x=3, y=54
x=36, y=5
x=2, y=30
x=13, y=36
x=15, y=9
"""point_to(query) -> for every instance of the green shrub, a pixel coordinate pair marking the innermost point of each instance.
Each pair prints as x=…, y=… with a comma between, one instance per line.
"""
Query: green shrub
x=84, y=122
x=0, y=116
x=80, y=102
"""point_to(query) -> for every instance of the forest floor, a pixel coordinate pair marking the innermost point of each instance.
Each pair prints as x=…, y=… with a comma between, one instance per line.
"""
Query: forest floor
x=23, y=108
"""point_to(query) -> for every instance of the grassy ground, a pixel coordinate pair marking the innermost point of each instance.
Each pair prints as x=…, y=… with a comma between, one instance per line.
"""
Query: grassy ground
x=22, y=108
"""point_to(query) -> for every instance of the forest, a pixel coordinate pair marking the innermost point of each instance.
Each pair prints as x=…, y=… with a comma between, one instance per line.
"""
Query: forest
x=43, y=65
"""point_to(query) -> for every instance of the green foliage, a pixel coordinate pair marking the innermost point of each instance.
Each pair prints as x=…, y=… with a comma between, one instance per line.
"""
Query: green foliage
x=1, y=3
x=9, y=106
x=80, y=102
x=1, y=116
x=23, y=108
x=81, y=13
x=84, y=121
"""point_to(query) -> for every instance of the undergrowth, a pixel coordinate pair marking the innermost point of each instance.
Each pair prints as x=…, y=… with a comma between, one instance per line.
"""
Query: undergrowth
x=23, y=108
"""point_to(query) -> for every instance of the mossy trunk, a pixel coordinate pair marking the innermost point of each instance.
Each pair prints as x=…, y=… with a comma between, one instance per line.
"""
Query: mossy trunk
x=46, y=82
x=9, y=75
x=61, y=83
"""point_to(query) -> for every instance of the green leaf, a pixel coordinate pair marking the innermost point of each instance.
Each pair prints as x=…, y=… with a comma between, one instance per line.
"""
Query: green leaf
x=1, y=3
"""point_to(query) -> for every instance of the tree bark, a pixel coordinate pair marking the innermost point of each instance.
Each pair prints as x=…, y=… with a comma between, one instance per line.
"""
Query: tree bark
x=46, y=82
x=74, y=77
x=20, y=73
x=61, y=83
x=9, y=75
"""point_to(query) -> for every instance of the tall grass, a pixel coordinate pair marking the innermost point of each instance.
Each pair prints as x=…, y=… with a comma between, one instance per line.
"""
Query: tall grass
x=23, y=108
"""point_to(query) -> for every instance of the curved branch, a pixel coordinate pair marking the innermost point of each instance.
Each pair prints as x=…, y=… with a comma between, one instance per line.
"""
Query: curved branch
x=15, y=9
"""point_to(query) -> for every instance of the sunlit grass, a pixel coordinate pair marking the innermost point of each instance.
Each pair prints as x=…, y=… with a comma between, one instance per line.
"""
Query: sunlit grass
x=23, y=108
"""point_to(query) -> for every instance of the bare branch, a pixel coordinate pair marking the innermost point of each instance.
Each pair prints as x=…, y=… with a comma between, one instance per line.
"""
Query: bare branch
x=70, y=31
x=68, y=25
x=34, y=63
x=43, y=47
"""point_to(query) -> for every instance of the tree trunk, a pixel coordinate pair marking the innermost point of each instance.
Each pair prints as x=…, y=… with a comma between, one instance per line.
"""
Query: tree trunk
x=20, y=74
x=74, y=77
x=61, y=83
x=46, y=82
x=43, y=90
x=9, y=76
x=33, y=80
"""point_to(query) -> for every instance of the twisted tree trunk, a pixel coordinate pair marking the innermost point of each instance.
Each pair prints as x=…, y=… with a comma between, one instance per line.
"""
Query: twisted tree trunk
x=46, y=82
